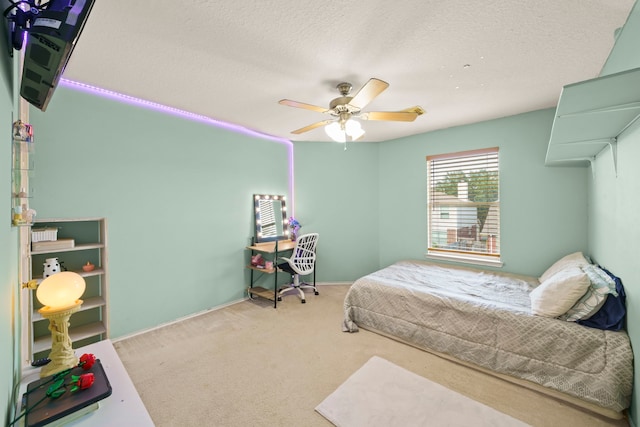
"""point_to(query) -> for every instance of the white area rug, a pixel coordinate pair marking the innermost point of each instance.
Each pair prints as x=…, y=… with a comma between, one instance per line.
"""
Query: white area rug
x=386, y=395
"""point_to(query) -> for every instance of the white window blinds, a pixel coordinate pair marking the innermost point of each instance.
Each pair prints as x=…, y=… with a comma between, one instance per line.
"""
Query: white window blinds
x=464, y=204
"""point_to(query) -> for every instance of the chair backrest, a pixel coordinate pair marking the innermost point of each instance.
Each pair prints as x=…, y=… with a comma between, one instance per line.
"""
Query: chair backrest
x=304, y=254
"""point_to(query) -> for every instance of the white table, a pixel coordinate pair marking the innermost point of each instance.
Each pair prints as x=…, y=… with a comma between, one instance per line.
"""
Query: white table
x=123, y=408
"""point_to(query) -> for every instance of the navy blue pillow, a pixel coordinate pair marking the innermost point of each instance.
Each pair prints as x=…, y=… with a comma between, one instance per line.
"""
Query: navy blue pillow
x=612, y=314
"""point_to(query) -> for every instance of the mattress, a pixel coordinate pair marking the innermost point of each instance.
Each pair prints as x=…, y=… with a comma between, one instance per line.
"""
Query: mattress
x=484, y=318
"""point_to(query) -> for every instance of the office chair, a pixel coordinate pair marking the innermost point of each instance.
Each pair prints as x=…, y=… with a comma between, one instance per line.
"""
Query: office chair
x=301, y=263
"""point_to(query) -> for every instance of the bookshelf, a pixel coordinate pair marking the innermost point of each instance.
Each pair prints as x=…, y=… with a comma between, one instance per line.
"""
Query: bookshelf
x=86, y=241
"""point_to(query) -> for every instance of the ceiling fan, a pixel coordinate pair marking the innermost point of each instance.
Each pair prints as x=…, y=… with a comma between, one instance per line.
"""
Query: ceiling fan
x=345, y=108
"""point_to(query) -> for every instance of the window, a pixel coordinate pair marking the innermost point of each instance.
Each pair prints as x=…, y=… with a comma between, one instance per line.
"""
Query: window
x=463, y=197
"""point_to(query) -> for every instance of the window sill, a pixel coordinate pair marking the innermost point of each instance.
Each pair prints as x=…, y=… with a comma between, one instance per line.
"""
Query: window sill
x=487, y=262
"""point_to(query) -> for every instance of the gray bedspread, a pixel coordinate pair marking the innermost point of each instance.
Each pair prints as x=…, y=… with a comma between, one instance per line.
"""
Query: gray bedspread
x=484, y=318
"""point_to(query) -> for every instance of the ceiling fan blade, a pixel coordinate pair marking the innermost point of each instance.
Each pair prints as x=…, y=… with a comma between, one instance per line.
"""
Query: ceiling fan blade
x=415, y=109
x=394, y=116
x=370, y=90
x=297, y=104
x=311, y=127
x=406, y=115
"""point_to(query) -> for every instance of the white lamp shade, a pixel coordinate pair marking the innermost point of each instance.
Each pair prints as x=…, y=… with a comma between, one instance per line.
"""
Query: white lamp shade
x=352, y=129
x=352, y=126
x=61, y=290
x=334, y=132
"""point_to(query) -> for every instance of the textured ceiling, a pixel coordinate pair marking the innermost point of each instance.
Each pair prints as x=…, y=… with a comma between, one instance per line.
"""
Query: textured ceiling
x=462, y=61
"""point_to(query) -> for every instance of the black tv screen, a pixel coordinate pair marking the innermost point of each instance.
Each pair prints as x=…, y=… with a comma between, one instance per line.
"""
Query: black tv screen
x=50, y=42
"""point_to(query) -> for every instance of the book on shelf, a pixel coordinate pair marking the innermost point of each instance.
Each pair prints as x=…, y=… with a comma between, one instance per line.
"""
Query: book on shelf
x=53, y=245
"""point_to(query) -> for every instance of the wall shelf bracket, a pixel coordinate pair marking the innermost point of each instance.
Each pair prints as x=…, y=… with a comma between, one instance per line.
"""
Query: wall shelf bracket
x=600, y=141
x=613, y=145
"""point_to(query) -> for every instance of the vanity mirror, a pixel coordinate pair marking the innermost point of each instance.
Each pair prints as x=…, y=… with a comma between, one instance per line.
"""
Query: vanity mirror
x=271, y=218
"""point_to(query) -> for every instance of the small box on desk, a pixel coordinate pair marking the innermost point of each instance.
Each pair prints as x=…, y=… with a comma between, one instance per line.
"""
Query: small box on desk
x=69, y=406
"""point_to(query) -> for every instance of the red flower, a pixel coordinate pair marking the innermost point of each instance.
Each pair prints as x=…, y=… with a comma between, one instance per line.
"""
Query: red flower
x=86, y=381
x=82, y=382
x=86, y=361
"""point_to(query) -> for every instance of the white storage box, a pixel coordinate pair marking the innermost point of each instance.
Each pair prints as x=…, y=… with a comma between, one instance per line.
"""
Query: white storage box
x=44, y=234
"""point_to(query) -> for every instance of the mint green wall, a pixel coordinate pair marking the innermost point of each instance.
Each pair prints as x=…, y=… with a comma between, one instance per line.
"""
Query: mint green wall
x=614, y=230
x=614, y=200
x=337, y=196
x=9, y=284
x=177, y=195
x=369, y=202
x=543, y=210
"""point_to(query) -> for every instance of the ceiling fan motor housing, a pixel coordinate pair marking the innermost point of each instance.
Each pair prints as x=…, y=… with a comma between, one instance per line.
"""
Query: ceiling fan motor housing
x=344, y=88
x=341, y=105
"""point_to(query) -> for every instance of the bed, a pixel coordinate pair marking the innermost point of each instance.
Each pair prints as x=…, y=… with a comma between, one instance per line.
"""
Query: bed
x=484, y=319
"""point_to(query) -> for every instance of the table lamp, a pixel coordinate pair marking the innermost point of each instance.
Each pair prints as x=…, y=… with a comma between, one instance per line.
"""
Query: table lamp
x=59, y=294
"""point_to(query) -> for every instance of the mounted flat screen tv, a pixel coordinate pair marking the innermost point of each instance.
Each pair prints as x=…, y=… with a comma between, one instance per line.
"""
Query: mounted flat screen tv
x=51, y=39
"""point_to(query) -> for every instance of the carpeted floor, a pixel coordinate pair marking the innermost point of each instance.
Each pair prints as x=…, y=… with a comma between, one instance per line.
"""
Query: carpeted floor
x=252, y=365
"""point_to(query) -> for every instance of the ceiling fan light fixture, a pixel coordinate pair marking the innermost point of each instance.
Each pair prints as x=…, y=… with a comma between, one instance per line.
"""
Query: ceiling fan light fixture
x=343, y=128
x=335, y=133
x=340, y=132
x=353, y=128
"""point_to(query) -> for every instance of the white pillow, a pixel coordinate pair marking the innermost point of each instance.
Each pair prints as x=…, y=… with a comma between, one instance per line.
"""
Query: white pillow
x=556, y=295
x=601, y=286
x=575, y=259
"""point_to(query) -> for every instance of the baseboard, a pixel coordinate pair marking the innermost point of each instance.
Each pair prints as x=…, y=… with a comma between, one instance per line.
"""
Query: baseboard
x=209, y=310
x=180, y=319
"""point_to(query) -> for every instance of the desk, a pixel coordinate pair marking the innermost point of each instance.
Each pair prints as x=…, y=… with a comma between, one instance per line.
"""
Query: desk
x=123, y=408
x=273, y=249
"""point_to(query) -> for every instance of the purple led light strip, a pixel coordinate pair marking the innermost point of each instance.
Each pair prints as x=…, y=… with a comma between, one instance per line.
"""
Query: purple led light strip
x=189, y=116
